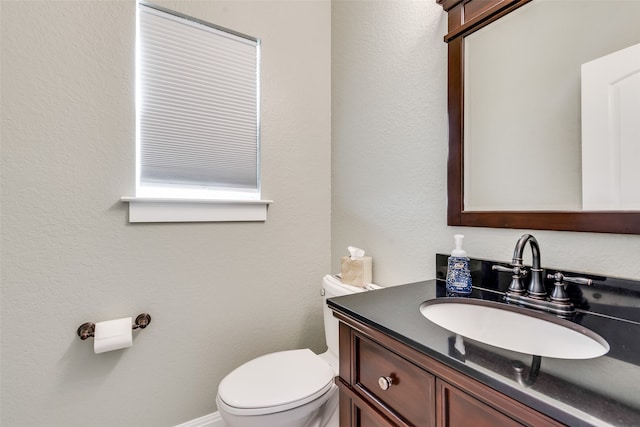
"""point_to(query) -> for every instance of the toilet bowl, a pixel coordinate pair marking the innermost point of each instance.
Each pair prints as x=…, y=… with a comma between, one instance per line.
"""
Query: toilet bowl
x=293, y=388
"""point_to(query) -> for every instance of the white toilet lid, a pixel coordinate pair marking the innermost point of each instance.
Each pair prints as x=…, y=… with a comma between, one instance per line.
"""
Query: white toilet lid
x=276, y=382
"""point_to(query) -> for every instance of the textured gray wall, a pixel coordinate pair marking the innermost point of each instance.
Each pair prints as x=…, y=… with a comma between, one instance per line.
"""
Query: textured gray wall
x=219, y=294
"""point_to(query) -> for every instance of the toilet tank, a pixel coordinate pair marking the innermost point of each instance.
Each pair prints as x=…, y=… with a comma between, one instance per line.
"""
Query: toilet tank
x=333, y=287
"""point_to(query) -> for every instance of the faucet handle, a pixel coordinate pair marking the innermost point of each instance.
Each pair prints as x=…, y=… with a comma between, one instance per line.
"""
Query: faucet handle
x=559, y=293
x=518, y=272
x=501, y=268
x=559, y=277
x=579, y=280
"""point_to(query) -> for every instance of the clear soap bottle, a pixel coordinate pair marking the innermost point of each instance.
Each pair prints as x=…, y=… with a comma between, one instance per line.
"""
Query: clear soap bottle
x=458, y=271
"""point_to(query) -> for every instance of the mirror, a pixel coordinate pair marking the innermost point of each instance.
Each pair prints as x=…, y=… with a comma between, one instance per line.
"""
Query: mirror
x=522, y=105
x=475, y=106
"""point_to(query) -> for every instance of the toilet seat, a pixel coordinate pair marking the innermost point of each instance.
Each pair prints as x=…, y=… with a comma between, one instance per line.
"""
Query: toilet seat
x=275, y=382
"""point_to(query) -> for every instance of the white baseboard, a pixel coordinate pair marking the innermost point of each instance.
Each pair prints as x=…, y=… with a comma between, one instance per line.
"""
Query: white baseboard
x=210, y=420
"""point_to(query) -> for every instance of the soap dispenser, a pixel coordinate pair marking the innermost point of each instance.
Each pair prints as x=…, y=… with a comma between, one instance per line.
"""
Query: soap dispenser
x=458, y=271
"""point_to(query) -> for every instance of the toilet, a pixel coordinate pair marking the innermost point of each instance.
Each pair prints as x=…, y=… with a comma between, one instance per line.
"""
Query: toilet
x=292, y=388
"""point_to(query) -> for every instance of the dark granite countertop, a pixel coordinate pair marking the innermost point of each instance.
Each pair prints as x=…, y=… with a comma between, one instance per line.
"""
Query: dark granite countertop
x=604, y=391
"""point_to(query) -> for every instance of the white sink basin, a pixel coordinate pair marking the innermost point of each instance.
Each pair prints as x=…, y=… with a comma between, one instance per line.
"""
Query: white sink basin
x=514, y=328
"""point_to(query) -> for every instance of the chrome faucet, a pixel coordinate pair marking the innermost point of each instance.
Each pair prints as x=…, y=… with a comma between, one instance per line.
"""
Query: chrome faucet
x=535, y=295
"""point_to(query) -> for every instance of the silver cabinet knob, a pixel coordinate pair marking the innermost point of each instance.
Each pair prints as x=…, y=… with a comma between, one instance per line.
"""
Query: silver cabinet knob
x=385, y=382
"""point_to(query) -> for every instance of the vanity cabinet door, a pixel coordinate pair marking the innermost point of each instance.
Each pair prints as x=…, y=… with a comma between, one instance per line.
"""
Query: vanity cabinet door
x=370, y=419
x=458, y=409
x=357, y=413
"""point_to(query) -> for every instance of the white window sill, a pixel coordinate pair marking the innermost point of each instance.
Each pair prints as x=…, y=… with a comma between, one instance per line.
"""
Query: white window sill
x=143, y=209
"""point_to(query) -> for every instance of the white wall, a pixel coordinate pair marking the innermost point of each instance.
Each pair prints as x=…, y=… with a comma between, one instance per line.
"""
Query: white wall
x=389, y=135
x=219, y=294
x=389, y=153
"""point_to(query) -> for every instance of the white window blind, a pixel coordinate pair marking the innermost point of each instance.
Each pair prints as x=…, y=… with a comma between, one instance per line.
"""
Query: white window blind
x=197, y=109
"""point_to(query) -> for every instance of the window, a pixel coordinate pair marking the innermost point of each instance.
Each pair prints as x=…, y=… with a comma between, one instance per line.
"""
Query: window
x=197, y=118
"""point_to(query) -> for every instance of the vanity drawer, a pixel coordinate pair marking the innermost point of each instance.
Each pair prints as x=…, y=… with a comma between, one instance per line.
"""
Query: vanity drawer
x=394, y=383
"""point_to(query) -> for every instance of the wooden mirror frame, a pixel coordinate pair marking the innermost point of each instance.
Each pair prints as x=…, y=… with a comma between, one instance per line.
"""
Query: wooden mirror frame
x=465, y=17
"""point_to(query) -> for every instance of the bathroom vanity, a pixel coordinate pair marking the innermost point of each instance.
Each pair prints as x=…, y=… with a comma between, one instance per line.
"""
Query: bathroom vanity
x=415, y=389
x=399, y=369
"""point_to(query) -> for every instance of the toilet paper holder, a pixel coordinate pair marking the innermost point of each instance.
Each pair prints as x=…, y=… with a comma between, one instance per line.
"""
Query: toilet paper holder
x=88, y=329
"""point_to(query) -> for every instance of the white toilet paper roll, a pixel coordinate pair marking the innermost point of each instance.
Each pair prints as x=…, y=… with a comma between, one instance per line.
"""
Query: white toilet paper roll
x=112, y=335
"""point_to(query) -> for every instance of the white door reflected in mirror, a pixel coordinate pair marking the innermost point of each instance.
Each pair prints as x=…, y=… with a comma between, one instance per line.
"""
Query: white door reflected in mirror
x=611, y=131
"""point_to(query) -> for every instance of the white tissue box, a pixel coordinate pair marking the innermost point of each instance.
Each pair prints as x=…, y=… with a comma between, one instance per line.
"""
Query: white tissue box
x=356, y=272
